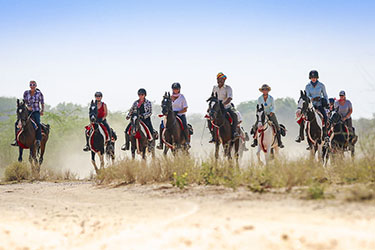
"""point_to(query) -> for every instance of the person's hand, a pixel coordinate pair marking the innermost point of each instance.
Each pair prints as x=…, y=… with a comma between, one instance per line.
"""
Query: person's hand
x=29, y=108
x=271, y=114
x=343, y=119
x=127, y=117
x=41, y=112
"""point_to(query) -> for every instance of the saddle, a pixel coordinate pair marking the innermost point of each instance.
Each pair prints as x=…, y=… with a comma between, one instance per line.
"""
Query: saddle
x=145, y=129
x=102, y=130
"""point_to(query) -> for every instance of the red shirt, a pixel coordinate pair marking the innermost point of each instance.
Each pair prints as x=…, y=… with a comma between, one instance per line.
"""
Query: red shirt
x=101, y=111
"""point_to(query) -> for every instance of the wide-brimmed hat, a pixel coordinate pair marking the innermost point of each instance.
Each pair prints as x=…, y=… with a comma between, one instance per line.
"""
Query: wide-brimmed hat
x=265, y=87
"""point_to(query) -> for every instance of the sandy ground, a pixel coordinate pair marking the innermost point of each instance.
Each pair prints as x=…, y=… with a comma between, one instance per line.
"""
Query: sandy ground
x=81, y=215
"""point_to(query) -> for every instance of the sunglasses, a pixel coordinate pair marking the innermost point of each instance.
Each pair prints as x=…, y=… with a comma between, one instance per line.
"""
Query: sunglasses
x=32, y=84
x=98, y=96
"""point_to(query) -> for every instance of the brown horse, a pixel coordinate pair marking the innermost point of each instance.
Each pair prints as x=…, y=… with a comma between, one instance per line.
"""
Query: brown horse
x=138, y=136
x=222, y=128
x=26, y=138
x=172, y=135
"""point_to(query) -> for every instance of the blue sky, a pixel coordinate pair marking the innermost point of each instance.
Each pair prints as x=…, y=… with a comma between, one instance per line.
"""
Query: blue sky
x=74, y=48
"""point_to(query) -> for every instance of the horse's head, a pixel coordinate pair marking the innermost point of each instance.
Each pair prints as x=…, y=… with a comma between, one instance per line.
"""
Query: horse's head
x=215, y=106
x=22, y=112
x=166, y=104
x=93, y=111
x=135, y=122
x=335, y=117
x=261, y=115
x=304, y=103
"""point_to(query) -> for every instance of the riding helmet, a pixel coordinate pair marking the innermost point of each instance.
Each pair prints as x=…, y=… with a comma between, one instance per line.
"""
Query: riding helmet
x=313, y=74
x=331, y=100
x=98, y=94
x=176, y=85
x=142, y=91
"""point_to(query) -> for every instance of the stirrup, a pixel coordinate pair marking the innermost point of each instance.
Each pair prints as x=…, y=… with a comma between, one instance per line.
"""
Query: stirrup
x=160, y=146
x=212, y=141
x=14, y=143
x=255, y=143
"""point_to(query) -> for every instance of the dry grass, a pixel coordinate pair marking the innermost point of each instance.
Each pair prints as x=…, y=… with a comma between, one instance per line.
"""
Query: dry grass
x=17, y=171
x=278, y=174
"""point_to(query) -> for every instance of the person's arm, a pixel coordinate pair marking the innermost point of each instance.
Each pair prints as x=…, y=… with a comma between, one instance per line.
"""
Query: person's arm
x=42, y=103
x=272, y=108
x=105, y=111
x=131, y=110
x=324, y=92
x=229, y=96
x=148, y=110
x=307, y=89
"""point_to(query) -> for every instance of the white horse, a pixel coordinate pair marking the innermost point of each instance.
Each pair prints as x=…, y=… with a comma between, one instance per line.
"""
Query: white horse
x=266, y=135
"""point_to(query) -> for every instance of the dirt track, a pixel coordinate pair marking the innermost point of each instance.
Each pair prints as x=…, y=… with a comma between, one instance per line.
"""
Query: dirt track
x=80, y=215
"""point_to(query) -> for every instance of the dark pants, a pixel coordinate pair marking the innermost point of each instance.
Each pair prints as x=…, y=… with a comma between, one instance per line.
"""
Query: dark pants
x=234, y=119
x=106, y=125
x=183, y=119
x=349, y=124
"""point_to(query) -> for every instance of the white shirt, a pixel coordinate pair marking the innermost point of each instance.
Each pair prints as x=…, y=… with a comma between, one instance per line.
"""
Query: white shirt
x=269, y=104
x=223, y=94
x=179, y=104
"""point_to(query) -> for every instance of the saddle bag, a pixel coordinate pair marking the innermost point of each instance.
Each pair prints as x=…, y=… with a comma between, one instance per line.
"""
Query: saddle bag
x=282, y=130
x=191, y=130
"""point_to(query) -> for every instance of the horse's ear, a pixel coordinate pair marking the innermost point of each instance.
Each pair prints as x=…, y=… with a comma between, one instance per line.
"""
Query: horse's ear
x=92, y=102
x=216, y=94
x=301, y=93
x=169, y=94
x=18, y=102
x=304, y=93
x=212, y=94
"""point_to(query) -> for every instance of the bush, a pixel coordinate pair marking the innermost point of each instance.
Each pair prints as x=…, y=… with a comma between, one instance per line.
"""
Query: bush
x=17, y=171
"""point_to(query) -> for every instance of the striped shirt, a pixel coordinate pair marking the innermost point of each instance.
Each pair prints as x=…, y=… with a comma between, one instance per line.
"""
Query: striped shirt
x=33, y=101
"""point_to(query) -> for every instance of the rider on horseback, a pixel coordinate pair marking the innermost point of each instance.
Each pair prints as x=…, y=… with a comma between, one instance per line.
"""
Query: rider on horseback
x=224, y=94
x=102, y=115
x=33, y=99
x=145, y=108
x=345, y=109
x=316, y=91
x=269, y=109
x=179, y=105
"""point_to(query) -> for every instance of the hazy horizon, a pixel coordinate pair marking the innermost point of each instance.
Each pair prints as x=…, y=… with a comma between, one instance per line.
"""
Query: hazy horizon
x=74, y=48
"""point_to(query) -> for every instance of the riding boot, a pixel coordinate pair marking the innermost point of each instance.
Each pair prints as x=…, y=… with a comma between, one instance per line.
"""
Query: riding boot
x=212, y=136
x=15, y=143
x=301, y=133
x=279, y=142
x=126, y=146
x=255, y=143
x=186, y=136
x=87, y=147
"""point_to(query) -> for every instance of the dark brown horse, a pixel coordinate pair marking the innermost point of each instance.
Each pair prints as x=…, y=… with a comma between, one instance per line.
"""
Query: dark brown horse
x=172, y=135
x=140, y=142
x=222, y=128
x=26, y=138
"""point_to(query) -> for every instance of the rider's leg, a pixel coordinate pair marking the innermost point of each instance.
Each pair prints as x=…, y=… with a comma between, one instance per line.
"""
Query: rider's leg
x=301, y=135
x=161, y=127
x=273, y=118
x=255, y=141
x=14, y=143
x=210, y=127
x=36, y=118
x=325, y=118
x=234, y=123
x=186, y=129
x=126, y=146
x=149, y=125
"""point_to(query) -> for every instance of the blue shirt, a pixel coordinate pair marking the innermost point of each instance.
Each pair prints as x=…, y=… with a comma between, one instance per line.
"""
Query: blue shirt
x=318, y=91
x=269, y=104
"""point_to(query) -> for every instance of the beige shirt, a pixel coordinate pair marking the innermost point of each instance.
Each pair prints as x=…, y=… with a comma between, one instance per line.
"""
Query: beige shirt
x=223, y=94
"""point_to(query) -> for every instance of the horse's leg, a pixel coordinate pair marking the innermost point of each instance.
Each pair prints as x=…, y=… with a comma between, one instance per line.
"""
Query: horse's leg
x=20, y=152
x=258, y=155
x=236, y=149
x=101, y=157
x=42, y=150
x=166, y=148
x=217, y=150
x=93, y=162
x=144, y=153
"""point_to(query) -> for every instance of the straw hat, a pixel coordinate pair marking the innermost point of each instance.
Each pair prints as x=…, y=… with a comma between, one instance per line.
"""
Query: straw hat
x=265, y=87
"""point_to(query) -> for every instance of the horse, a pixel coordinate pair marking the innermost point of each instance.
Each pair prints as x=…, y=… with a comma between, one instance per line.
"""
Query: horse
x=140, y=136
x=266, y=134
x=341, y=138
x=172, y=135
x=26, y=138
x=98, y=136
x=313, y=125
x=222, y=128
